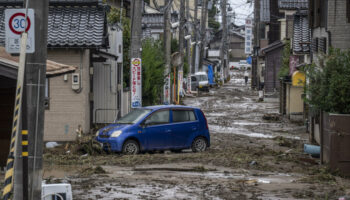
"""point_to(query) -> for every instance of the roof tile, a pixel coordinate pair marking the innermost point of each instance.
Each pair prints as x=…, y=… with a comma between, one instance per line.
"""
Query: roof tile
x=72, y=27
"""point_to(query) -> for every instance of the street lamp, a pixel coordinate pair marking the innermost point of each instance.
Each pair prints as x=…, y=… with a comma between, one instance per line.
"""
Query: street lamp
x=187, y=37
x=175, y=24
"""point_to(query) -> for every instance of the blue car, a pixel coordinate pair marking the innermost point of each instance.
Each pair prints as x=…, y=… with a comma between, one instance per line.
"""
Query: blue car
x=165, y=127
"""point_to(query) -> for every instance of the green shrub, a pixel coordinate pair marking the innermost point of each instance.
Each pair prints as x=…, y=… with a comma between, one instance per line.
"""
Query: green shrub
x=329, y=83
x=284, y=70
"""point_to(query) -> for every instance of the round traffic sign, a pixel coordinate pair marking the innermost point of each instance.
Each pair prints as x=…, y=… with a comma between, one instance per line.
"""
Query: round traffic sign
x=17, y=23
x=136, y=62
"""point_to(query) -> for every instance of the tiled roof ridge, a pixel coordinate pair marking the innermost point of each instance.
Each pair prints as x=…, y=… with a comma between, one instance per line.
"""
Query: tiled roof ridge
x=54, y=2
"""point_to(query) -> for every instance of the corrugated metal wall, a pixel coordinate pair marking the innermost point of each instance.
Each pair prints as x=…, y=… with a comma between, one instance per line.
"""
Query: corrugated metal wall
x=105, y=93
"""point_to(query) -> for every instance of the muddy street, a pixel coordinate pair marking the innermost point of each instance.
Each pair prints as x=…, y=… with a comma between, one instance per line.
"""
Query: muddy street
x=254, y=154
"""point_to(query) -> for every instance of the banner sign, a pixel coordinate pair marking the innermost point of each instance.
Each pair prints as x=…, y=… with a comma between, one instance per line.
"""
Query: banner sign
x=189, y=83
x=248, y=36
x=166, y=89
x=136, y=83
x=180, y=78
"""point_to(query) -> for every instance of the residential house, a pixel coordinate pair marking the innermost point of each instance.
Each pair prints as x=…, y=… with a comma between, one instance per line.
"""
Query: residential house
x=78, y=35
x=235, y=42
x=267, y=33
x=153, y=23
x=294, y=30
x=8, y=75
x=330, y=24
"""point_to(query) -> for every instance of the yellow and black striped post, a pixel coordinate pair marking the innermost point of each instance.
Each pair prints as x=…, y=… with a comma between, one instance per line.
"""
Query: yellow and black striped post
x=9, y=175
x=11, y=158
x=25, y=163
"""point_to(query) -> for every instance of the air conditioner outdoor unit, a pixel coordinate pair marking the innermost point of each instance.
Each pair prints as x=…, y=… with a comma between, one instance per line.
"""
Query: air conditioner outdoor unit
x=60, y=191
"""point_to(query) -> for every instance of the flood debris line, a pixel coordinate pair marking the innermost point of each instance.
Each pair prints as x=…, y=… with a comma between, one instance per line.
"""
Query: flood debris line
x=272, y=117
x=238, y=164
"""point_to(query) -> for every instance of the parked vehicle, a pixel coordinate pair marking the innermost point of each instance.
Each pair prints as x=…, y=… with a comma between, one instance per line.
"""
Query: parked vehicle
x=200, y=80
x=165, y=127
x=243, y=65
x=233, y=65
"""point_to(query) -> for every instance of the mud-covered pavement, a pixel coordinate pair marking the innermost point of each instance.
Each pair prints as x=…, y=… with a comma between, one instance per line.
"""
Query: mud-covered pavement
x=249, y=158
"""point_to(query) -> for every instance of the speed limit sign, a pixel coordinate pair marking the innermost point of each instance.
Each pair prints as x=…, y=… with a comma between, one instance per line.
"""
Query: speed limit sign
x=15, y=24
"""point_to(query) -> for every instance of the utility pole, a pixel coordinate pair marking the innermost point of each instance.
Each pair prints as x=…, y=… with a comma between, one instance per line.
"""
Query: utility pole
x=167, y=49
x=181, y=46
x=203, y=32
x=135, y=50
x=223, y=52
x=256, y=27
x=35, y=93
x=195, y=32
x=188, y=48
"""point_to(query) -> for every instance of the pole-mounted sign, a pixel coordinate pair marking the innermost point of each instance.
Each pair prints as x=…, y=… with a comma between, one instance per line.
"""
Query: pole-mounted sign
x=136, y=83
x=15, y=24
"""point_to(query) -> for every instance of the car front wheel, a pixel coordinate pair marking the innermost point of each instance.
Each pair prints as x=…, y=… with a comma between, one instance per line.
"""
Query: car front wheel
x=131, y=147
x=199, y=144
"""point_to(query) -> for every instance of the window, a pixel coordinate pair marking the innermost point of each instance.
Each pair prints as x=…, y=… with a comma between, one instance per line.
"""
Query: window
x=159, y=117
x=193, y=78
x=183, y=115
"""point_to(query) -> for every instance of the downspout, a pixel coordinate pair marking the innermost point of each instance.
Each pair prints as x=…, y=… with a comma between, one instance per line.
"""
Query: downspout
x=80, y=73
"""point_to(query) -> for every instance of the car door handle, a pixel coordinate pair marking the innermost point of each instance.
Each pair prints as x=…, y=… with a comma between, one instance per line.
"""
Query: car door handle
x=168, y=131
x=194, y=128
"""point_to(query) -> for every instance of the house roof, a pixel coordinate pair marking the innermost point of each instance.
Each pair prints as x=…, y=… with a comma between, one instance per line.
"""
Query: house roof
x=301, y=33
x=71, y=26
x=52, y=68
x=271, y=47
x=293, y=4
x=53, y=2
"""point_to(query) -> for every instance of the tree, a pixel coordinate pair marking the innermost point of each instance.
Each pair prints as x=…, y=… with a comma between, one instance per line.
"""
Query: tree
x=212, y=23
x=329, y=89
x=152, y=71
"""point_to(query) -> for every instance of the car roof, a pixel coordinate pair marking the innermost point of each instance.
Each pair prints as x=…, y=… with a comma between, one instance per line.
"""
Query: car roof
x=157, y=107
x=200, y=73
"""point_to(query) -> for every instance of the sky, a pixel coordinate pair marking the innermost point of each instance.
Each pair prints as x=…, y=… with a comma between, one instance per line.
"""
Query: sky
x=242, y=10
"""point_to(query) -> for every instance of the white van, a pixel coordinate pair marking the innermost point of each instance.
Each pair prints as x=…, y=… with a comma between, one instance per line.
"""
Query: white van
x=200, y=80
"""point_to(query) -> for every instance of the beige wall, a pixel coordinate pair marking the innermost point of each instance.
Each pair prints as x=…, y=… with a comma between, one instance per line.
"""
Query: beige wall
x=295, y=103
x=68, y=109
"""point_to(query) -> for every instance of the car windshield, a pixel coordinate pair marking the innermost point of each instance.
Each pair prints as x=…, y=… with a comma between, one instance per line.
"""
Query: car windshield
x=133, y=116
x=203, y=78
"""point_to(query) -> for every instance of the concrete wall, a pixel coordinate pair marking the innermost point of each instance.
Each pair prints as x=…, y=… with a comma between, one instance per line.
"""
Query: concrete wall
x=68, y=109
x=338, y=24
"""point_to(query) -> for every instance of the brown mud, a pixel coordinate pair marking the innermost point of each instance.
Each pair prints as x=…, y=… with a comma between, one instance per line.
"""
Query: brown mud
x=255, y=154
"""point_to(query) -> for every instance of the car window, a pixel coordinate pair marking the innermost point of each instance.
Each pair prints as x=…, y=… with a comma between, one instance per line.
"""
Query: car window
x=193, y=78
x=183, y=115
x=203, y=78
x=159, y=117
x=133, y=116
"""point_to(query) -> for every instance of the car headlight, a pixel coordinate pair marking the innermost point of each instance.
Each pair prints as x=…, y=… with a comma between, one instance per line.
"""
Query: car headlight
x=116, y=133
x=98, y=132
